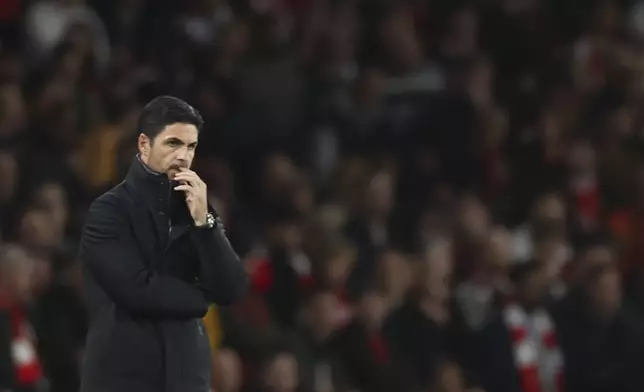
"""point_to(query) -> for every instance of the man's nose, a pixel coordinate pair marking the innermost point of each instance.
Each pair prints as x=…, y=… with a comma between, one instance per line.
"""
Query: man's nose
x=183, y=153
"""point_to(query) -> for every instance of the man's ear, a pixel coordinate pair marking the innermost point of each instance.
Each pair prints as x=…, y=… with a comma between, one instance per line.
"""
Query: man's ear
x=144, y=144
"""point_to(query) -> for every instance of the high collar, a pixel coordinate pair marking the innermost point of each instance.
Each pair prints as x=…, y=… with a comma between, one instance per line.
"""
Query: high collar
x=153, y=187
x=143, y=178
x=157, y=191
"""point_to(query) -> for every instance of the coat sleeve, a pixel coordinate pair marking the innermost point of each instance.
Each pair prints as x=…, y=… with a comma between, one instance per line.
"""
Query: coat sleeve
x=222, y=274
x=109, y=253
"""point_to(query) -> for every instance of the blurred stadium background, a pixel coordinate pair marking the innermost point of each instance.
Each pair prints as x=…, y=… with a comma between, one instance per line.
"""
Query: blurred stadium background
x=393, y=173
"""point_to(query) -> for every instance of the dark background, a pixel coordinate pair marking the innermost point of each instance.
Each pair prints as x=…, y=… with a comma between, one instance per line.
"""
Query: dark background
x=381, y=166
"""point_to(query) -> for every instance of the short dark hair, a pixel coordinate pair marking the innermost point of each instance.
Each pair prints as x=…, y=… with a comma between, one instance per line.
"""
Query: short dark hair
x=167, y=110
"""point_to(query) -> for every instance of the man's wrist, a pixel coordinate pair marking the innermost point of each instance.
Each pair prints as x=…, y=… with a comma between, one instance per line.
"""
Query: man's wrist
x=208, y=222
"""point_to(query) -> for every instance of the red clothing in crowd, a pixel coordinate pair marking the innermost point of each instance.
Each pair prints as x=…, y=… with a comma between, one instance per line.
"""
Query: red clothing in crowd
x=628, y=228
x=262, y=276
x=587, y=202
x=23, y=350
x=379, y=348
x=9, y=10
x=24, y=355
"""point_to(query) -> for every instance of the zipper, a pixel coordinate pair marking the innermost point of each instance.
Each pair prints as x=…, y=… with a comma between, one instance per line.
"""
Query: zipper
x=169, y=207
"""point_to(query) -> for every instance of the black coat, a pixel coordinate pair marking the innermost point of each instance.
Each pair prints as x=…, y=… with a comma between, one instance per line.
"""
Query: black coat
x=352, y=347
x=600, y=357
x=150, y=276
x=490, y=358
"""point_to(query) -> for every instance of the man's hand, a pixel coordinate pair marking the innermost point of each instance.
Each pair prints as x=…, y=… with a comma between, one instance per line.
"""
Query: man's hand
x=196, y=194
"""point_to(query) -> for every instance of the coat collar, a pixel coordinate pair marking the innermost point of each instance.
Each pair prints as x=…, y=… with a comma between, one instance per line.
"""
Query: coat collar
x=153, y=189
x=142, y=178
x=156, y=191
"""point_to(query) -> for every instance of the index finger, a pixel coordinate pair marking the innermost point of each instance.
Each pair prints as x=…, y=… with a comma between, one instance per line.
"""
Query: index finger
x=189, y=176
x=187, y=172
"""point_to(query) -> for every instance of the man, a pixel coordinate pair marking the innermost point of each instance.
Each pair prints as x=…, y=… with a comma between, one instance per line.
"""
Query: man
x=517, y=350
x=155, y=255
x=600, y=336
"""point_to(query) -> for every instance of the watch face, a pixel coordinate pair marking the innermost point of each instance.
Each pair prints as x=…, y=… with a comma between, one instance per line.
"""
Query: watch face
x=210, y=220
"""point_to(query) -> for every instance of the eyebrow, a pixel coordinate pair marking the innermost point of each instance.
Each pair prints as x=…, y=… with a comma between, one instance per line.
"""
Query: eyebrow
x=179, y=141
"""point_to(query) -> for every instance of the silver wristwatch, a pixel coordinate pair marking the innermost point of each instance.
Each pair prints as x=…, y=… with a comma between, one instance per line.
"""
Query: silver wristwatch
x=211, y=221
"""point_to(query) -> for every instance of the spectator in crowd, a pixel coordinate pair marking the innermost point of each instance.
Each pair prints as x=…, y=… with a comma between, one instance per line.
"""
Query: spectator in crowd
x=518, y=349
x=363, y=349
x=417, y=330
x=606, y=354
x=227, y=371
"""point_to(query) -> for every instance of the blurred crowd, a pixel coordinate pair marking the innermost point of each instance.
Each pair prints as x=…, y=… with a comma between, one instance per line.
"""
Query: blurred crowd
x=428, y=195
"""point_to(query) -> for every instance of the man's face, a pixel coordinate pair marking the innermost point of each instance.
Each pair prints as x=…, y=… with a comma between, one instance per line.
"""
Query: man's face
x=170, y=150
x=37, y=229
x=281, y=373
x=582, y=157
x=395, y=273
x=323, y=314
x=373, y=310
x=533, y=288
x=550, y=208
x=381, y=197
x=606, y=293
x=16, y=274
x=473, y=217
x=228, y=367
x=498, y=248
x=9, y=181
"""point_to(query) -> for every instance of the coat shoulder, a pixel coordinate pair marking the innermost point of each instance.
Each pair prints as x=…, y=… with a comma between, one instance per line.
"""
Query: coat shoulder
x=113, y=198
x=111, y=205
